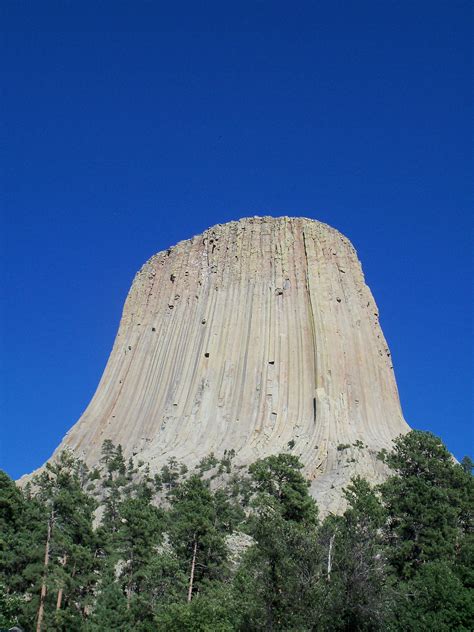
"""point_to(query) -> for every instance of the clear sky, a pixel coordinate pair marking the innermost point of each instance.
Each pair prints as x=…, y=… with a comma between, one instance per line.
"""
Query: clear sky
x=128, y=126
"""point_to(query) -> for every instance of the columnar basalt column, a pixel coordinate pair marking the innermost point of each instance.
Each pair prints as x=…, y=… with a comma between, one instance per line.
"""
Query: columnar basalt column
x=259, y=336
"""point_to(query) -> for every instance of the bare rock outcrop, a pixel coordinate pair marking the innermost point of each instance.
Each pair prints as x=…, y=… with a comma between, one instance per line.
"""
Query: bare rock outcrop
x=260, y=336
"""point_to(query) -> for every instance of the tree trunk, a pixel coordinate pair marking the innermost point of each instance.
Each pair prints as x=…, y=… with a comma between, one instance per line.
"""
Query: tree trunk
x=331, y=544
x=129, y=585
x=274, y=603
x=39, y=622
x=60, y=591
x=60, y=598
x=193, y=566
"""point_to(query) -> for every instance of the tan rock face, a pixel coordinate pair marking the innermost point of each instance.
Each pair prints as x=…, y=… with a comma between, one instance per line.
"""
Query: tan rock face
x=256, y=336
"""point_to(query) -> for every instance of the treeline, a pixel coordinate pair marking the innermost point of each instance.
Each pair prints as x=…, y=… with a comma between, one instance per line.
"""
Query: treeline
x=223, y=548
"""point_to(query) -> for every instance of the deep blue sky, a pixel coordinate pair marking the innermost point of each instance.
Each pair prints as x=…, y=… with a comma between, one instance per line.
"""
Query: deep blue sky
x=128, y=126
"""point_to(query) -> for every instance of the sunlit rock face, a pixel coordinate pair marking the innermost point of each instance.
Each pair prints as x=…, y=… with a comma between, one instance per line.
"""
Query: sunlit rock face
x=259, y=336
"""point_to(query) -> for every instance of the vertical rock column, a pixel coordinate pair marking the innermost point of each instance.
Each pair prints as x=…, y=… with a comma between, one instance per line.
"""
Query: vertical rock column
x=255, y=336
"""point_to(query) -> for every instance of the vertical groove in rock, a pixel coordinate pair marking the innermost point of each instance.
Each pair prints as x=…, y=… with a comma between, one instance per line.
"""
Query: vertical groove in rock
x=254, y=334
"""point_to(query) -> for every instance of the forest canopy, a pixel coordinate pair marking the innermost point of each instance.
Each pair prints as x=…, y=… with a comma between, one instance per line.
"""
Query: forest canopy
x=226, y=548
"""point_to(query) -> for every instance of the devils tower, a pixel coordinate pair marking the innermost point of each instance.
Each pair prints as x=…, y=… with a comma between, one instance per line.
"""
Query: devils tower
x=260, y=336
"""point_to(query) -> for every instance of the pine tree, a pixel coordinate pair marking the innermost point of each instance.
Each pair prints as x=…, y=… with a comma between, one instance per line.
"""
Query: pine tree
x=279, y=477
x=429, y=533
x=67, y=578
x=115, y=484
x=196, y=533
x=13, y=512
x=400, y=558
x=435, y=599
x=170, y=474
x=10, y=606
x=139, y=534
x=426, y=502
x=279, y=576
x=110, y=609
x=358, y=586
x=15, y=550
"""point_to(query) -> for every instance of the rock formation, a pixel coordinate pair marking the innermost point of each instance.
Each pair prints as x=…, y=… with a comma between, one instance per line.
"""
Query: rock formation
x=260, y=336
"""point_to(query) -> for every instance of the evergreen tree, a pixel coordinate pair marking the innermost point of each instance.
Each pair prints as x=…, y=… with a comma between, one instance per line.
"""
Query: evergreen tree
x=429, y=533
x=435, y=599
x=70, y=542
x=427, y=502
x=10, y=606
x=197, y=532
x=400, y=558
x=110, y=610
x=211, y=611
x=13, y=551
x=165, y=582
x=139, y=534
x=277, y=584
x=467, y=464
x=115, y=484
x=278, y=580
x=279, y=477
x=22, y=536
x=170, y=474
x=358, y=586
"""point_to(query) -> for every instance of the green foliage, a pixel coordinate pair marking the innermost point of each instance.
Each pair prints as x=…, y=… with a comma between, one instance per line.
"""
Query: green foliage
x=400, y=558
x=467, y=464
x=225, y=464
x=343, y=446
x=140, y=532
x=51, y=545
x=211, y=611
x=278, y=482
x=207, y=463
x=277, y=583
x=358, y=590
x=240, y=489
x=435, y=599
x=196, y=527
x=164, y=580
x=10, y=605
x=110, y=609
x=428, y=502
x=170, y=475
x=13, y=550
x=115, y=484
